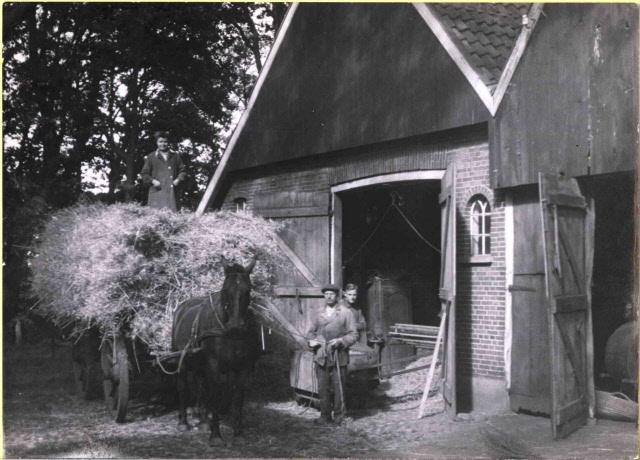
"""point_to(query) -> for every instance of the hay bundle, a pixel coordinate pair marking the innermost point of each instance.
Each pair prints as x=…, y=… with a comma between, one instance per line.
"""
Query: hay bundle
x=128, y=267
x=501, y=444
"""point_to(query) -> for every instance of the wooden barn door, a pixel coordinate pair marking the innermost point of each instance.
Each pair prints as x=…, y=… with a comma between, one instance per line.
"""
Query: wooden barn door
x=305, y=241
x=568, y=249
x=530, y=365
x=448, y=286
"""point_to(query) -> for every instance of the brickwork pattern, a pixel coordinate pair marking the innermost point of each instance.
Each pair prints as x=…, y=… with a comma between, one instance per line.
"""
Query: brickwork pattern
x=480, y=288
x=480, y=310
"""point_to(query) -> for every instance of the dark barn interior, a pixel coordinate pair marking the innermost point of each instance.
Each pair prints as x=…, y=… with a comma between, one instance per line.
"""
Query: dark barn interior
x=613, y=279
x=380, y=246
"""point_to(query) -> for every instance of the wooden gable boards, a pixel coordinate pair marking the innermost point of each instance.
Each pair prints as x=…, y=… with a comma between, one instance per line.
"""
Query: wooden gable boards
x=491, y=97
x=341, y=76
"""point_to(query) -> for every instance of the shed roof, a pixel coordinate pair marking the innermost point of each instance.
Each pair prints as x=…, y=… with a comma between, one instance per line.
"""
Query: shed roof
x=485, y=33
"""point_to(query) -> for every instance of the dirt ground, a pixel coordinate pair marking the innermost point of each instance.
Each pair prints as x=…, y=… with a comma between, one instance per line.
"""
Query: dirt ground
x=44, y=418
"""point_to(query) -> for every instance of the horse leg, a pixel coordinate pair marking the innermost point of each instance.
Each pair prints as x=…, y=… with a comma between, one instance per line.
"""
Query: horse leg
x=183, y=425
x=239, y=381
x=202, y=404
x=215, y=389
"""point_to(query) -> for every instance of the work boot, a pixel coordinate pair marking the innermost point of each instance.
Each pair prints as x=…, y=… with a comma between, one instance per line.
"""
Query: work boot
x=321, y=421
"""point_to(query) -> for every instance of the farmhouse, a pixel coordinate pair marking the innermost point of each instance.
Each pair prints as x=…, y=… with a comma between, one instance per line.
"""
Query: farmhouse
x=478, y=159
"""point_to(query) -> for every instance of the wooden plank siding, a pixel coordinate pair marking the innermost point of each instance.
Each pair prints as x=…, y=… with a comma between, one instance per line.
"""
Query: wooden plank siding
x=348, y=75
x=614, y=89
x=572, y=105
x=530, y=374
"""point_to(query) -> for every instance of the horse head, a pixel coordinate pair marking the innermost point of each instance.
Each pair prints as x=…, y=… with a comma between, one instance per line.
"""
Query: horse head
x=236, y=295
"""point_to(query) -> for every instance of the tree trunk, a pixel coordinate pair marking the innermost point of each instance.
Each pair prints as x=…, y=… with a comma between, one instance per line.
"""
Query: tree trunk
x=18, y=330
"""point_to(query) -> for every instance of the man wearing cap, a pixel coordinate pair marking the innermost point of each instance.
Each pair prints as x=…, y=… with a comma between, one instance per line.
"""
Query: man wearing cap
x=330, y=334
x=163, y=171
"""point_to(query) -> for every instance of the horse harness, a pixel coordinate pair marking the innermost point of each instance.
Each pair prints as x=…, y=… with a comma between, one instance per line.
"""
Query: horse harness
x=197, y=337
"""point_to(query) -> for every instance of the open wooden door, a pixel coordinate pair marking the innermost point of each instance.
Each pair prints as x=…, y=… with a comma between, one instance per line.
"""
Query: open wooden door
x=304, y=240
x=568, y=250
x=448, y=286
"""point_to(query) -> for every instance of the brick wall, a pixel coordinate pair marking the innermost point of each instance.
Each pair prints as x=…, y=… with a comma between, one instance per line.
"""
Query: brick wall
x=480, y=320
x=480, y=288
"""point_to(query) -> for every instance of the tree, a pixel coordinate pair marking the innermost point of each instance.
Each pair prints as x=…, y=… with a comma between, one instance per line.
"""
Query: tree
x=86, y=85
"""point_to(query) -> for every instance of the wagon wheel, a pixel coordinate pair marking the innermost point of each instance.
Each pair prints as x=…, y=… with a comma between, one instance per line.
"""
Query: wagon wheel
x=115, y=367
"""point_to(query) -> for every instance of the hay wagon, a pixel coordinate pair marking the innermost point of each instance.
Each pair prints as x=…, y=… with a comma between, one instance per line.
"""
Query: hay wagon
x=362, y=372
x=112, y=361
x=124, y=269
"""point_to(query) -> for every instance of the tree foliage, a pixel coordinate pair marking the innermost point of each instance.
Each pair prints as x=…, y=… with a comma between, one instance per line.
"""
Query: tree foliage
x=86, y=85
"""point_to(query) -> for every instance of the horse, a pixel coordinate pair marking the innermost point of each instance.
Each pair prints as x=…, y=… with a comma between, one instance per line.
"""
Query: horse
x=222, y=326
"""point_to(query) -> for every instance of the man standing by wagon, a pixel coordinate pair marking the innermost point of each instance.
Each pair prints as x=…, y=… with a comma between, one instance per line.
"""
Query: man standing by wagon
x=349, y=302
x=163, y=171
x=331, y=333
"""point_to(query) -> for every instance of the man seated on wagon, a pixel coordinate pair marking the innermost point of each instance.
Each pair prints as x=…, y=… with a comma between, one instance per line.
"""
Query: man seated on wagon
x=330, y=334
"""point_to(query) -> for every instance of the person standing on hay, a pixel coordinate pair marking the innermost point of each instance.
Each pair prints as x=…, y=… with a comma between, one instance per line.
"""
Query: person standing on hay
x=330, y=334
x=163, y=171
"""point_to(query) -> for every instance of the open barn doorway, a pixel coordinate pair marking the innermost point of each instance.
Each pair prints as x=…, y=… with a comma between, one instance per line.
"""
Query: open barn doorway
x=390, y=248
x=615, y=342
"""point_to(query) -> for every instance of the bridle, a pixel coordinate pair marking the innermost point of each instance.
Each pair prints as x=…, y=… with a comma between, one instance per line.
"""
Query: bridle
x=223, y=330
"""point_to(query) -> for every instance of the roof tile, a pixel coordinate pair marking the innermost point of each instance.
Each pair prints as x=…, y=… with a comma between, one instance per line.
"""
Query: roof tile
x=482, y=38
x=460, y=24
x=470, y=37
x=484, y=32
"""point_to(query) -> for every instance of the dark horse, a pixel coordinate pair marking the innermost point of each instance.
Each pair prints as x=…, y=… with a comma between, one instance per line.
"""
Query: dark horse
x=222, y=326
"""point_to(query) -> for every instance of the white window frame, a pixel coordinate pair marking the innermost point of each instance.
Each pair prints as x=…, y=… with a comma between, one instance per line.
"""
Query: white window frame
x=481, y=203
x=241, y=204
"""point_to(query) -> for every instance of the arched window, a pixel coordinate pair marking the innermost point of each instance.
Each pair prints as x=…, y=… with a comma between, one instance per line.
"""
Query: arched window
x=241, y=204
x=480, y=226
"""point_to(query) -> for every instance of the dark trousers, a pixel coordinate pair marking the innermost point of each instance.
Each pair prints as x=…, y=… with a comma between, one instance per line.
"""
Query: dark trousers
x=329, y=390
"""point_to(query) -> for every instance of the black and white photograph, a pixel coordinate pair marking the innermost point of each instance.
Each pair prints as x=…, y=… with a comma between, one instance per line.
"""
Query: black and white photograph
x=320, y=230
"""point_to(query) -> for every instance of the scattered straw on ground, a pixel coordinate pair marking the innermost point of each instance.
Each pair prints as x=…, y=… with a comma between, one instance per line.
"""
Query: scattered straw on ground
x=412, y=384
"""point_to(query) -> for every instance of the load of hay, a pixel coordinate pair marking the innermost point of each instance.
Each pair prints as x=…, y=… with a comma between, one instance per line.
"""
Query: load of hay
x=126, y=267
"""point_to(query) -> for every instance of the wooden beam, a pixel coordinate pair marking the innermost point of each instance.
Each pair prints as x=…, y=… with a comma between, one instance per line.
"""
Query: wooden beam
x=336, y=241
x=305, y=211
x=427, y=386
x=213, y=186
x=589, y=234
x=292, y=291
x=514, y=59
x=291, y=329
x=297, y=261
x=469, y=72
x=434, y=174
